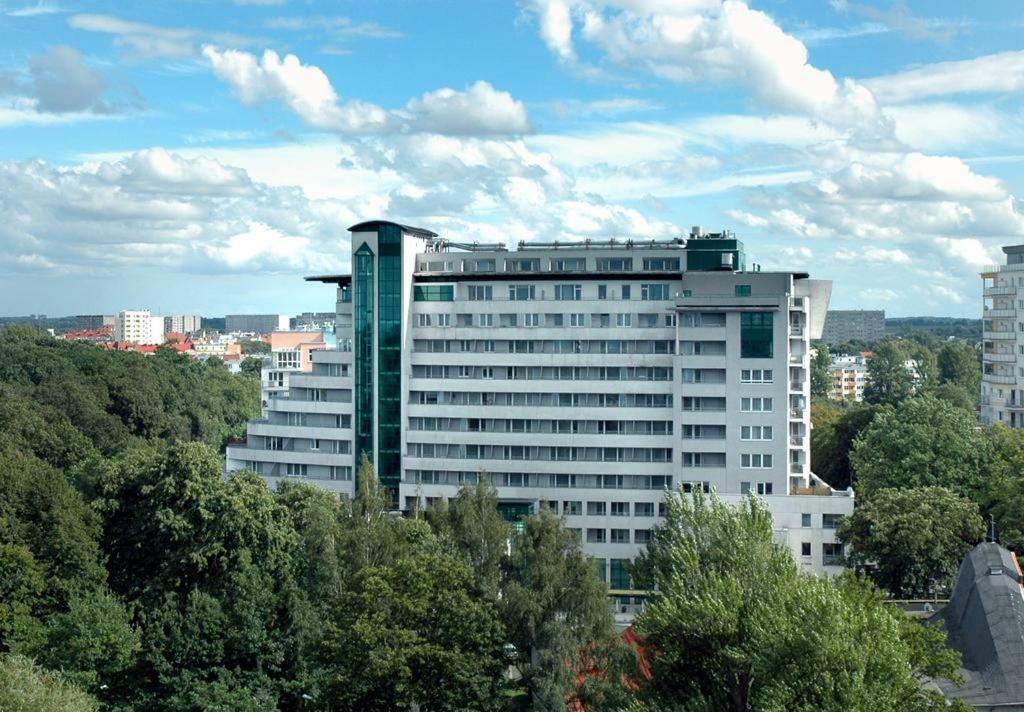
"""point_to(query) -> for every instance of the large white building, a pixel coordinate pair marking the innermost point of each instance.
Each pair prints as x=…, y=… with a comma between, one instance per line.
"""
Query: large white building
x=1002, y=353
x=183, y=323
x=138, y=326
x=586, y=377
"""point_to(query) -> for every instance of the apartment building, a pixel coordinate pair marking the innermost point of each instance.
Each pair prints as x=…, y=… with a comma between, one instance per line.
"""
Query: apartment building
x=138, y=326
x=585, y=377
x=256, y=323
x=1002, y=352
x=183, y=323
x=289, y=353
x=850, y=375
x=853, y=325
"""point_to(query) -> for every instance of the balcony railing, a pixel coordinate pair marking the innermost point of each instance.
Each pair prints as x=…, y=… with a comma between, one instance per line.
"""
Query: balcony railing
x=796, y=413
x=796, y=440
x=999, y=291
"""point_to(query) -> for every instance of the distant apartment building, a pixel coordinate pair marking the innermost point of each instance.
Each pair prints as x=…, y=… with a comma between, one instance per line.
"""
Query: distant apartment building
x=584, y=377
x=290, y=352
x=1002, y=351
x=91, y=322
x=853, y=325
x=256, y=323
x=183, y=323
x=850, y=375
x=138, y=326
x=314, y=321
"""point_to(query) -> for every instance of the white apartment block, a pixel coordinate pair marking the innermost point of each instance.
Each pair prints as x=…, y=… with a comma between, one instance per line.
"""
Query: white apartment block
x=138, y=326
x=1002, y=353
x=585, y=377
x=850, y=375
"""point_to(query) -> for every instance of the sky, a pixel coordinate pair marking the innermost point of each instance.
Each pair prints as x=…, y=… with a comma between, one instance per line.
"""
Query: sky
x=202, y=156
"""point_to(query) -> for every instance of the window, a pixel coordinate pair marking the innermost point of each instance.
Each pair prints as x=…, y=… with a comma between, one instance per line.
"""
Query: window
x=576, y=320
x=572, y=264
x=643, y=509
x=620, y=509
x=433, y=293
x=572, y=508
x=602, y=291
x=483, y=265
x=641, y=536
x=623, y=320
x=756, y=335
x=555, y=320
x=744, y=488
x=614, y=264
x=742, y=290
x=756, y=405
x=480, y=293
x=756, y=432
x=764, y=487
x=531, y=319
x=620, y=574
x=521, y=292
x=831, y=521
x=832, y=553
x=568, y=292
x=620, y=536
x=661, y=264
x=523, y=265
x=596, y=509
x=487, y=320
x=756, y=375
x=602, y=569
x=805, y=519
x=315, y=394
x=596, y=536
x=314, y=444
x=653, y=292
x=444, y=319
x=756, y=461
x=272, y=443
x=805, y=548
x=295, y=470
x=626, y=291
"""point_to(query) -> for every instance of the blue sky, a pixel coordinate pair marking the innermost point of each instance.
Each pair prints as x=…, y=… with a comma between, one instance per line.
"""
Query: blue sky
x=202, y=156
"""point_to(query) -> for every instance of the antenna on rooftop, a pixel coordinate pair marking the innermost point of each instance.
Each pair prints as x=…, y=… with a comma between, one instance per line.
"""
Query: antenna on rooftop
x=992, y=530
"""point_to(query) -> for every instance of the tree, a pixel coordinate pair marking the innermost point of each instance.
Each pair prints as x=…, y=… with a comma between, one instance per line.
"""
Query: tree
x=554, y=606
x=960, y=365
x=955, y=395
x=832, y=437
x=922, y=442
x=25, y=687
x=822, y=380
x=414, y=631
x=254, y=347
x=1002, y=497
x=887, y=379
x=477, y=531
x=735, y=625
x=927, y=366
x=914, y=539
x=251, y=366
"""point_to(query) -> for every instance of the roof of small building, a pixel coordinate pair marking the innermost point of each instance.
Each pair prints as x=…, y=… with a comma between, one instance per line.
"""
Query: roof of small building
x=371, y=225
x=985, y=622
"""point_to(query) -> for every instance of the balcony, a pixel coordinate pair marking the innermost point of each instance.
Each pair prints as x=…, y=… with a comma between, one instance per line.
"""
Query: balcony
x=796, y=386
x=994, y=378
x=797, y=303
x=796, y=330
x=796, y=440
x=796, y=468
x=1008, y=334
x=796, y=413
x=1000, y=313
x=1000, y=357
x=999, y=291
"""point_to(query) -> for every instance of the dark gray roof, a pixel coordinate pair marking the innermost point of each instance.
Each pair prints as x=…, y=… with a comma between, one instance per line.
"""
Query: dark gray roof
x=371, y=225
x=985, y=622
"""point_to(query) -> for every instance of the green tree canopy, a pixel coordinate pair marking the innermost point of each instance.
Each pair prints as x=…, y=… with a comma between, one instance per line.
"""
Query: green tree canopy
x=25, y=687
x=822, y=381
x=833, y=435
x=960, y=365
x=887, y=379
x=922, y=442
x=914, y=539
x=735, y=625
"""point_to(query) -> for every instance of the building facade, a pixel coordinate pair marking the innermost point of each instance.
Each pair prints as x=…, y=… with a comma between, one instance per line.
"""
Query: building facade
x=853, y=325
x=850, y=375
x=138, y=326
x=290, y=353
x=256, y=323
x=183, y=323
x=585, y=377
x=1002, y=333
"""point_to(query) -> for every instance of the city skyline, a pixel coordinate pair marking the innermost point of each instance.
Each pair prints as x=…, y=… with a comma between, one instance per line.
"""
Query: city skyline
x=204, y=157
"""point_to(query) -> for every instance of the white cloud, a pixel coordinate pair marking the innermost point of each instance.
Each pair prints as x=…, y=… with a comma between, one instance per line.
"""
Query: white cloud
x=968, y=250
x=145, y=40
x=480, y=109
x=871, y=254
x=306, y=90
x=303, y=88
x=950, y=294
x=992, y=73
x=879, y=294
x=942, y=126
x=40, y=8
x=62, y=82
